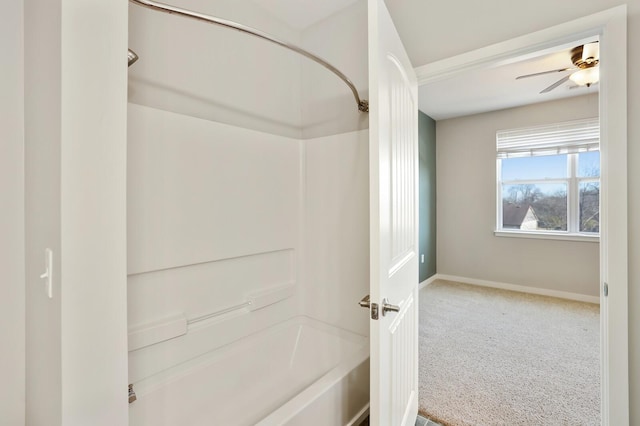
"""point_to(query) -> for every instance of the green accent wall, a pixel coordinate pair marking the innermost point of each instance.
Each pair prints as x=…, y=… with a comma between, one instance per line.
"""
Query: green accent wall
x=427, y=150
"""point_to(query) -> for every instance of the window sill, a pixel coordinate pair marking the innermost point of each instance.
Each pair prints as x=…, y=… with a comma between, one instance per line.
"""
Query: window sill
x=548, y=236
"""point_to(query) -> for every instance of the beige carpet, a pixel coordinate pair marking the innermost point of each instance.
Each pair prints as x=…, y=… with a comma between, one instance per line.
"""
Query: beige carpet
x=496, y=357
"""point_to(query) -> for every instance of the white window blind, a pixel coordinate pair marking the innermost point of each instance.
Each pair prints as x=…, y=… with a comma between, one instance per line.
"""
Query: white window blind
x=562, y=138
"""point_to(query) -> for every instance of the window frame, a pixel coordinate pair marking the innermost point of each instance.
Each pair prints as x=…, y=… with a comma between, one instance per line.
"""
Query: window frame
x=572, y=182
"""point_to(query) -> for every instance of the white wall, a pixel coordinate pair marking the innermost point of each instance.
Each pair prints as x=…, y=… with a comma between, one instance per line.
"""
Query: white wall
x=438, y=30
x=466, y=206
x=42, y=205
x=93, y=213
x=328, y=105
x=75, y=124
x=206, y=71
x=12, y=310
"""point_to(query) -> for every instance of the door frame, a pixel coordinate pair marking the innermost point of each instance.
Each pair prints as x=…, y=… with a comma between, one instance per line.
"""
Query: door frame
x=611, y=27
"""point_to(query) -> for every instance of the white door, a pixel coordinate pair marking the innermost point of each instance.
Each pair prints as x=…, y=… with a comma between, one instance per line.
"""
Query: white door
x=393, y=162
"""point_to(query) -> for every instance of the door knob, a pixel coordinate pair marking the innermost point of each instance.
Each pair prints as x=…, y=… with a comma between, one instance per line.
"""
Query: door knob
x=388, y=307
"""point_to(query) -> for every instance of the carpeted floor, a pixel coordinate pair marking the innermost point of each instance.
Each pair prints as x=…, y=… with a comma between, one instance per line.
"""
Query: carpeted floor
x=496, y=357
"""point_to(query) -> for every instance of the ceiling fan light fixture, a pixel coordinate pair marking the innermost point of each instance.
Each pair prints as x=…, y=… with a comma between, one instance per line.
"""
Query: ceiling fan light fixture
x=586, y=76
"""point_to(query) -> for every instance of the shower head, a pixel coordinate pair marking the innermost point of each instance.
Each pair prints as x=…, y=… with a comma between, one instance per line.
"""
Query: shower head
x=132, y=57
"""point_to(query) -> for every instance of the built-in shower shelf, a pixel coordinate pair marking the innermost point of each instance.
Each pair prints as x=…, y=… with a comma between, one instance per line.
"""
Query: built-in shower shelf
x=157, y=331
x=164, y=329
x=263, y=298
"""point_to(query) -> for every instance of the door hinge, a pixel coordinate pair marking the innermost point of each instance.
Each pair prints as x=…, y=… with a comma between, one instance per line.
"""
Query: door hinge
x=605, y=289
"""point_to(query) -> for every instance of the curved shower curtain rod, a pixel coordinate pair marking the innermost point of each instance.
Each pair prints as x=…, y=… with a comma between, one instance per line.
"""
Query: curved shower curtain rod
x=363, y=104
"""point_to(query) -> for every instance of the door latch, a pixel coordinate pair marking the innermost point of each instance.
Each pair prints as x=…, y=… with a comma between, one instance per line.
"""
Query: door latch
x=132, y=394
x=366, y=303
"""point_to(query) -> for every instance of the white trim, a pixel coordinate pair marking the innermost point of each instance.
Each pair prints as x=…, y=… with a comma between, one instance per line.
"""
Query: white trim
x=521, y=48
x=428, y=281
x=540, y=181
x=521, y=288
x=611, y=28
x=360, y=417
x=537, y=235
x=573, y=196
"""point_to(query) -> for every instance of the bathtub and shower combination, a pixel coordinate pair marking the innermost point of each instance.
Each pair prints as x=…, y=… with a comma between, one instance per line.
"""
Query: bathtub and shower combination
x=248, y=251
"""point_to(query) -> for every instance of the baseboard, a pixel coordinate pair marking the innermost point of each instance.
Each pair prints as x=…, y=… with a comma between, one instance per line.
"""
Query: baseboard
x=514, y=287
x=428, y=281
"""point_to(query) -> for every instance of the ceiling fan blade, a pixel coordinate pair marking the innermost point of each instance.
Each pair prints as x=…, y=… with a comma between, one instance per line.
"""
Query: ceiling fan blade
x=556, y=84
x=543, y=73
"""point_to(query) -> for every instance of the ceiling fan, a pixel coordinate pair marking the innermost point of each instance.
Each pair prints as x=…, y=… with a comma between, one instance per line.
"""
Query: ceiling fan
x=585, y=59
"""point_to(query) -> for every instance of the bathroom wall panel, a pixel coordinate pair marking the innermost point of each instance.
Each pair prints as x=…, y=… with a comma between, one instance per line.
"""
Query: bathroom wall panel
x=336, y=227
x=212, y=224
x=200, y=191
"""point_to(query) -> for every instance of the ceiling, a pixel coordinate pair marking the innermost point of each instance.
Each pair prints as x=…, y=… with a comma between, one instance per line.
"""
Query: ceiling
x=301, y=14
x=495, y=87
x=488, y=89
x=482, y=90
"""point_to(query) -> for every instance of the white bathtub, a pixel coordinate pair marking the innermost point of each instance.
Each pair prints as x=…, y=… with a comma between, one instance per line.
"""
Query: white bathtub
x=299, y=372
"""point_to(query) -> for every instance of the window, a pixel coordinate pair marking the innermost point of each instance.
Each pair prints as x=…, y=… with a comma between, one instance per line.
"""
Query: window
x=549, y=180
